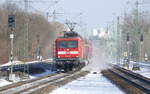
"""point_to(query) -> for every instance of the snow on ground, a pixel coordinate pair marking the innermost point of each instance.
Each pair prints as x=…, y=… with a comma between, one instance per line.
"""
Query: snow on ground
x=144, y=69
x=16, y=62
x=4, y=82
x=90, y=84
x=144, y=72
x=21, y=62
x=47, y=72
x=9, y=63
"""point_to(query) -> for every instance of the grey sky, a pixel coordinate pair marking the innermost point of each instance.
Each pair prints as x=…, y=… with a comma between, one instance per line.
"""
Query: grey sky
x=96, y=13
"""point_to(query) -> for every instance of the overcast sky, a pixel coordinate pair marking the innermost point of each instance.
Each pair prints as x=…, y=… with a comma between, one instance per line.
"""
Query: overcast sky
x=96, y=13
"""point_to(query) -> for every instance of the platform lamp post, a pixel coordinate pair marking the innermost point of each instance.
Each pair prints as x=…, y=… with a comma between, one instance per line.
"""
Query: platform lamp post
x=11, y=25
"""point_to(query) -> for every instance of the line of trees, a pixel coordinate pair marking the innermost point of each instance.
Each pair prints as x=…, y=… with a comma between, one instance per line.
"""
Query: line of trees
x=136, y=30
x=41, y=34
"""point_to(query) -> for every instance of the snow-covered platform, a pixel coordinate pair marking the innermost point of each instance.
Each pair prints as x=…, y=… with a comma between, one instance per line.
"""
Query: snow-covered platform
x=90, y=84
x=144, y=68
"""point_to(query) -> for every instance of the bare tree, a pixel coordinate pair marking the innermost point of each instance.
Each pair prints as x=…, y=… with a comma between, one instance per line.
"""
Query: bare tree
x=38, y=25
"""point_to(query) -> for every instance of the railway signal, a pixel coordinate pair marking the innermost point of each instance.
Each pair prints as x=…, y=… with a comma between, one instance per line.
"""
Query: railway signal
x=11, y=25
x=128, y=37
x=141, y=38
x=141, y=46
x=11, y=21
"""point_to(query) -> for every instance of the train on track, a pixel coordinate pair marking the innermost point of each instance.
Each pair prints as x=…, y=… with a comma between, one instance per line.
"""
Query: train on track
x=71, y=51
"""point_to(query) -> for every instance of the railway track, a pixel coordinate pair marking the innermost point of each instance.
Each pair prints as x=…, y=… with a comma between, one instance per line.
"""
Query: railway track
x=28, y=87
x=9, y=89
x=134, y=79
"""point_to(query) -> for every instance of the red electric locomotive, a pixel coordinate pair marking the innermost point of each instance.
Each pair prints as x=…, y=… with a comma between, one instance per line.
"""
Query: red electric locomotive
x=71, y=51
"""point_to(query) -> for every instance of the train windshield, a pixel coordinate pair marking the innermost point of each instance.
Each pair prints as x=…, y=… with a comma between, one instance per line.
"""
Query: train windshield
x=67, y=44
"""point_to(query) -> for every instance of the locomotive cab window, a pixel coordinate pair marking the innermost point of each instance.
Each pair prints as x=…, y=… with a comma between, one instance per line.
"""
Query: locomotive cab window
x=68, y=44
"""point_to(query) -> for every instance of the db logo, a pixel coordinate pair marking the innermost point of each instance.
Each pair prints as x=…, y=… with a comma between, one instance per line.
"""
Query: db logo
x=68, y=52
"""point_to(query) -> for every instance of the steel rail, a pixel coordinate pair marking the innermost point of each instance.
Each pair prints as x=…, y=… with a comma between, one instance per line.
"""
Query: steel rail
x=29, y=84
x=135, y=79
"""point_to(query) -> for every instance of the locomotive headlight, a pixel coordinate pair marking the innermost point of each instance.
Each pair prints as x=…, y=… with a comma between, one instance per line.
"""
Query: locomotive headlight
x=74, y=52
x=61, y=52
